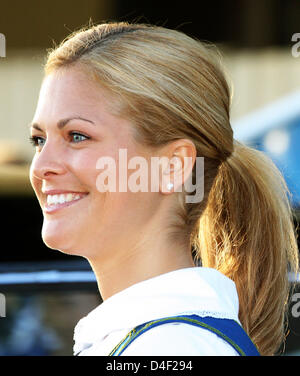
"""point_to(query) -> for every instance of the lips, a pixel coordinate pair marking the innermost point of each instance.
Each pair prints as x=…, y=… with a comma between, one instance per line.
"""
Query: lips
x=57, y=200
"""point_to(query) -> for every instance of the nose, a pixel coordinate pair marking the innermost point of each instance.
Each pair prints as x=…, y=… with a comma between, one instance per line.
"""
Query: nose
x=47, y=163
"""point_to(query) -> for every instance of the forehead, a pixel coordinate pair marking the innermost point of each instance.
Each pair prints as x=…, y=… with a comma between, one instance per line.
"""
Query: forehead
x=71, y=92
x=68, y=91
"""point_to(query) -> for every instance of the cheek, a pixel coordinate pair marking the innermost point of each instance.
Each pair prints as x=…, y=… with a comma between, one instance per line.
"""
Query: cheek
x=31, y=175
x=83, y=168
x=89, y=164
x=35, y=182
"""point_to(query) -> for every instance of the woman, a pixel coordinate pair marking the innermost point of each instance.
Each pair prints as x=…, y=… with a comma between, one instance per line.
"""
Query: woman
x=146, y=92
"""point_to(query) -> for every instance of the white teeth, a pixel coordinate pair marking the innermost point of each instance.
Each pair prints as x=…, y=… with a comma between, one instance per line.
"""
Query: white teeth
x=62, y=198
x=69, y=197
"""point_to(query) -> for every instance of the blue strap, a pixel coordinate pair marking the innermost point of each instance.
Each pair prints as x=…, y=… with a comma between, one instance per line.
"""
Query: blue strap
x=228, y=330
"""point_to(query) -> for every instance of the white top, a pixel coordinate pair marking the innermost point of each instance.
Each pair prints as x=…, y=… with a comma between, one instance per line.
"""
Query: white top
x=195, y=290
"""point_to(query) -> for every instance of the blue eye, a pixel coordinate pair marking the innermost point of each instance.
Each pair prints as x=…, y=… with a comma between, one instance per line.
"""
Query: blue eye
x=75, y=138
x=78, y=137
x=37, y=141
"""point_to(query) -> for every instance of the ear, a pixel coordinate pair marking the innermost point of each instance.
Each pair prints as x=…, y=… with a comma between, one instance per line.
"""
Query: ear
x=177, y=167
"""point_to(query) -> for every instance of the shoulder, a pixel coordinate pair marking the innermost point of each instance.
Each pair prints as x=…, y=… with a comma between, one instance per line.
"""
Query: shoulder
x=177, y=339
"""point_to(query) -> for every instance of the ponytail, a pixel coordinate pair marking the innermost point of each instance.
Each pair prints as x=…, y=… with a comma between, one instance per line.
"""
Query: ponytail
x=246, y=232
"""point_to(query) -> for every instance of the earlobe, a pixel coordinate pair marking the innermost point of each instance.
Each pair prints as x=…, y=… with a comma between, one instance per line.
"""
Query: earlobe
x=177, y=169
x=174, y=165
x=166, y=187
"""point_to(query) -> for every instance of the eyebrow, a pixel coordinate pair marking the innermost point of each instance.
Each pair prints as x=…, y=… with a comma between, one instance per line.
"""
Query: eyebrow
x=61, y=123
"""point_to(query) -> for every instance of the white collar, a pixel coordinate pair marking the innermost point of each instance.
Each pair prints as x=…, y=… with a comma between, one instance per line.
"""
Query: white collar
x=195, y=290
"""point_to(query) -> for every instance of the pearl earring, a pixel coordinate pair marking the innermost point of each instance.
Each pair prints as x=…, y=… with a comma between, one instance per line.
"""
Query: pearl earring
x=170, y=186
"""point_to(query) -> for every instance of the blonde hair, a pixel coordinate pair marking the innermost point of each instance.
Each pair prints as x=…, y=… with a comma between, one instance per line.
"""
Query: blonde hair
x=172, y=87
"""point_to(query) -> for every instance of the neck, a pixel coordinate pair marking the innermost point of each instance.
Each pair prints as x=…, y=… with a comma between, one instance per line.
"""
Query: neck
x=131, y=265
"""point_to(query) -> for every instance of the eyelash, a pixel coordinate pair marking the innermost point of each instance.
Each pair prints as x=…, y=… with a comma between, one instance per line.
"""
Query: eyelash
x=35, y=139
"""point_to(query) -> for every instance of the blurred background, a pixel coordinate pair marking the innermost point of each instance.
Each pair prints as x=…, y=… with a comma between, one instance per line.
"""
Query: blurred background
x=45, y=292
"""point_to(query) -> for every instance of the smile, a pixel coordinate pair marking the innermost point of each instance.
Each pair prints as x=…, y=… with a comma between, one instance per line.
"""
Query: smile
x=62, y=200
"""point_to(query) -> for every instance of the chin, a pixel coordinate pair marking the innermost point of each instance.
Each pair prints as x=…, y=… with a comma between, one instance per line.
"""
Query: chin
x=58, y=240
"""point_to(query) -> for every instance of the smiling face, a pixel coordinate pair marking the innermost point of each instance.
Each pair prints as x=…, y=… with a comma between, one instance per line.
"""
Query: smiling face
x=73, y=127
